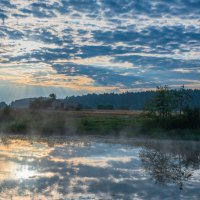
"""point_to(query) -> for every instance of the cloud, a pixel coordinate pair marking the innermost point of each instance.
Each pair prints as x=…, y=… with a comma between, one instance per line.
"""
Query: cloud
x=111, y=41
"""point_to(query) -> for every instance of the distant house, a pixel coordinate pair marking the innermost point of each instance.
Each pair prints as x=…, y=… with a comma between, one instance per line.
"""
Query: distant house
x=3, y=105
x=43, y=102
x=64, y=105
x=22, y=103
x=25, y=103
x=59, y=104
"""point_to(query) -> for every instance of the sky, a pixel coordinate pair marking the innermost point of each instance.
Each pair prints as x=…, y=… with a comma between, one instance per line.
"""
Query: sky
x=74, y=47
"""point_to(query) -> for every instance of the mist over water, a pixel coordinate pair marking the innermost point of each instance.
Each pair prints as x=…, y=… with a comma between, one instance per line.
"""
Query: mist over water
x=98, y=168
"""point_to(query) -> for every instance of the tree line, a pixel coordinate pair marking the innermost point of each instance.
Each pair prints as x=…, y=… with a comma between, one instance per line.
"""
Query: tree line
x=127, y=100
x=122, y=101
x=172, y=108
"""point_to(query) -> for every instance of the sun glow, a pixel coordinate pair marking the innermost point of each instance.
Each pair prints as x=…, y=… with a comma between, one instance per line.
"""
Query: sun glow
x=24, y=172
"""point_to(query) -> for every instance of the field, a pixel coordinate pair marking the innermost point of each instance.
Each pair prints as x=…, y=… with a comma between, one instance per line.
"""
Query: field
x=66, y=122
x=118, y=123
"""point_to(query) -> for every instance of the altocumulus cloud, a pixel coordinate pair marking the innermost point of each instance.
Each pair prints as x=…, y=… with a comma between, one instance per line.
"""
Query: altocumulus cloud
x=82, y=46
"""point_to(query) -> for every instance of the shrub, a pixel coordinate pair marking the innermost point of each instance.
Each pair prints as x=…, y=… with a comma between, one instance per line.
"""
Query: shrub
x=7, y=111
x=18, y=127
x=192, y=117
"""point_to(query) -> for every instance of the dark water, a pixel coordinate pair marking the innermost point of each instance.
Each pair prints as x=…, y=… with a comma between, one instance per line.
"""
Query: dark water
x=96, y=168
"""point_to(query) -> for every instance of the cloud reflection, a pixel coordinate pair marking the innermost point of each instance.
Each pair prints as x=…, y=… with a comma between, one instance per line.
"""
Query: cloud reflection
x=87, y=168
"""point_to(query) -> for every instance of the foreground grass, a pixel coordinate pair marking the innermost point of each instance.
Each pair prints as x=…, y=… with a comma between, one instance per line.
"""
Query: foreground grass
x=118, y=123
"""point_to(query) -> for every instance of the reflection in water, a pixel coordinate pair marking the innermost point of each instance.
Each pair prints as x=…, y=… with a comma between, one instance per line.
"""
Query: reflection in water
x=170, y=166
x=91, y=168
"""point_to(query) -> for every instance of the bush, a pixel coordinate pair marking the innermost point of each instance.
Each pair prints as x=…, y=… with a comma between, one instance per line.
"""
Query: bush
x=7, y=111
x=18, y=127
x=192, y=117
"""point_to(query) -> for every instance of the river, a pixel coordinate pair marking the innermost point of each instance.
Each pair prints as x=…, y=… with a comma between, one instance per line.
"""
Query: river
x=98, y=168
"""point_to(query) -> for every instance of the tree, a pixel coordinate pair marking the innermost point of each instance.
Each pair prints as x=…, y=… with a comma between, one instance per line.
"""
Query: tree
x=37, y=103
x=150, y=107
x=182, y=97
x=162, y=103
x=40, y=103
x=52, y=96
x=165, y=104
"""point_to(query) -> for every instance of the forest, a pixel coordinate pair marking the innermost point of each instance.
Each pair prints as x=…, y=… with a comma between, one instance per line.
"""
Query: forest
x=125, y=101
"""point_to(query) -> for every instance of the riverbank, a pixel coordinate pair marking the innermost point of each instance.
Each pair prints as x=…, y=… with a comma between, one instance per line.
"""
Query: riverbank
x=117, y=123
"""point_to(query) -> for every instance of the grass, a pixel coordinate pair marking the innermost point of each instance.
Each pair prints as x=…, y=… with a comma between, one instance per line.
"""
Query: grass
x=118, y=123
x=104, y=124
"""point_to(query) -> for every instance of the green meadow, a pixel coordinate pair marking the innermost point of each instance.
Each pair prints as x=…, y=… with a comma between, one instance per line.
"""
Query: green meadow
x=93, y=122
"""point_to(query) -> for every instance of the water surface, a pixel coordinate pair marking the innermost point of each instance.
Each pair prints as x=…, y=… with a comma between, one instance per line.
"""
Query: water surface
x=97, y=168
